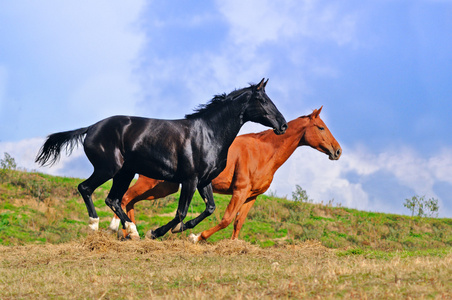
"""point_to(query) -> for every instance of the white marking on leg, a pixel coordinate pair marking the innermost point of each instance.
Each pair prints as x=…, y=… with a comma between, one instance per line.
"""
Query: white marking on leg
x=114, y=224
x=93, y=223
x=177, y=228
x=131, y=229
x=194, y=238
x=150, y=235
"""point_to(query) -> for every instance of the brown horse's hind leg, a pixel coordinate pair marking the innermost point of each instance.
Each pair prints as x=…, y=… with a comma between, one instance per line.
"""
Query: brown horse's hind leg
x=158, y=189
x=144, y=189
x=121, y=182
x=241, y=217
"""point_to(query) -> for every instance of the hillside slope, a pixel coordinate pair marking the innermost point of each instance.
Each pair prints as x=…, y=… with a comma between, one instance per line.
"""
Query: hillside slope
x=38, y=208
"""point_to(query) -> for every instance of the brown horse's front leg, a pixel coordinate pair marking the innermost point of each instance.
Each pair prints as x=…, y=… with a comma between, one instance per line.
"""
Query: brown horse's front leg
x=237, y=200
x=241, y=217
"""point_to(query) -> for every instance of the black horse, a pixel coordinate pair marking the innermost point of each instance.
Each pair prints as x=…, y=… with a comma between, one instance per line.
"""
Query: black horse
x=190, y=151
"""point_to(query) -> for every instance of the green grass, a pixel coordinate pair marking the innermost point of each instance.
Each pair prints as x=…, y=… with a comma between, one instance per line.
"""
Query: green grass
x=39, y=208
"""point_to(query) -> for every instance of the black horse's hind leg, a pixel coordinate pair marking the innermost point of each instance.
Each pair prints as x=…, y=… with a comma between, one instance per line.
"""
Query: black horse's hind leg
x=121, y=183
x=86, y=189
x=207, y=195
x=187, y=191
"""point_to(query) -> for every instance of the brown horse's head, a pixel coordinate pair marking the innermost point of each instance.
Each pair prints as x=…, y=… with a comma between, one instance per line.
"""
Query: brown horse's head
x=319, y=137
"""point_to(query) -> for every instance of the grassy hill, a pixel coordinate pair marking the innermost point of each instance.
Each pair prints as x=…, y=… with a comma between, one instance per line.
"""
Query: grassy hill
x=38, y=208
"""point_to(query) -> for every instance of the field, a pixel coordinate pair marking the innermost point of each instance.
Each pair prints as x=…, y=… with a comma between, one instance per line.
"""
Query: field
x=99, y=267
x=286, y=250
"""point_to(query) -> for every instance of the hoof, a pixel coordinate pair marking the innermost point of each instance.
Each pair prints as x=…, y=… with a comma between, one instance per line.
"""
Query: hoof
x=133, y=237
x=132, y=232
x=194, y=238
x=109, y=231
x=114, y=225
x=178, y=228
x=127, y=238
x=123, y=238
x=93, y=224
x=121, y=234
x=150, y=235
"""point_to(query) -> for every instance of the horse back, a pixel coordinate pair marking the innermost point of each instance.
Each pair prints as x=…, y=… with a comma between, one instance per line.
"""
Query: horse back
x=145, y=146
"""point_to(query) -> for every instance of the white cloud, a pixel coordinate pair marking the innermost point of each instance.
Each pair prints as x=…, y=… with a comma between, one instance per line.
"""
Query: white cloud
x=441, y=166
x=243, y=55
x=24, y=153
x=322, y=178
x=409, y=167
x=76, y=35
x=104, y=95
x=75, y=59
x=256, y=22
x=325, y=180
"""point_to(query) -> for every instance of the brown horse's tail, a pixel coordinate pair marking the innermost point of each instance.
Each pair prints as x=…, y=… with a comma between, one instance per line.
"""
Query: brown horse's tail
x=50, y=151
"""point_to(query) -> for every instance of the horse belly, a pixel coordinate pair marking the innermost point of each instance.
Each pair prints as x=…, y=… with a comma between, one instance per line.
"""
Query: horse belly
x=261, y=185
x=161, y=169
x=209, y=172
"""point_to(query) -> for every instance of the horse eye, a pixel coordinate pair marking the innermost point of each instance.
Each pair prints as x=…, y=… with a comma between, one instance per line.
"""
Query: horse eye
x=262, y=100
x=321, y=128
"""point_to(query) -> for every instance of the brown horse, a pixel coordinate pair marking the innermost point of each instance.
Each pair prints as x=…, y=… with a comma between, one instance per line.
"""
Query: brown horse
x=252, y=161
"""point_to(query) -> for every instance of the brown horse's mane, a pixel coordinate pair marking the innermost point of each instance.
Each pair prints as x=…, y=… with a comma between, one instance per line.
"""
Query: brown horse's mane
x=268, y=131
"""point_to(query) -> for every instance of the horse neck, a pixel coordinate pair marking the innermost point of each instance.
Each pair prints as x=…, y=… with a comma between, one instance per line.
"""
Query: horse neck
x=284, y=145
x=226, y=123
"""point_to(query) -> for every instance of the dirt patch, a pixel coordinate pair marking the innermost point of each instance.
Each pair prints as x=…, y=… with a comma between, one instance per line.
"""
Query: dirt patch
x=320, y=212
x=104, y=242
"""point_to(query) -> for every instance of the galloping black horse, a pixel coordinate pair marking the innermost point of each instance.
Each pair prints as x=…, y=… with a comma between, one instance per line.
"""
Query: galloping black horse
x=190, y=151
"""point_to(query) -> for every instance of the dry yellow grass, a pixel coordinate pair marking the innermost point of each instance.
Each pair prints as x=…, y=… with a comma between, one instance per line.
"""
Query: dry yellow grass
x=100, y=267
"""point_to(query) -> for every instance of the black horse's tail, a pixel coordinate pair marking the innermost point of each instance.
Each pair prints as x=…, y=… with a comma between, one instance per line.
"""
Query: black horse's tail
x=50, y=151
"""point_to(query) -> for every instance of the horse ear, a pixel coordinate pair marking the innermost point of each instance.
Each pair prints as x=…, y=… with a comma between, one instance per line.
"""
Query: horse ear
x=316, y=112
x=265, y=83
x=261, y=84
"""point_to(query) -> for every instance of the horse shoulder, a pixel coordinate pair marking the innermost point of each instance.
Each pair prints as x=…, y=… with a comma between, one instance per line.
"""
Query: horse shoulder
x=223, y=182
x=260, y=165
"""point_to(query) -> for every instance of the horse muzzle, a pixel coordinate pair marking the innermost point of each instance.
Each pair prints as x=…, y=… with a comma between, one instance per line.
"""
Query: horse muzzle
x=282, y=129
x=334, y=154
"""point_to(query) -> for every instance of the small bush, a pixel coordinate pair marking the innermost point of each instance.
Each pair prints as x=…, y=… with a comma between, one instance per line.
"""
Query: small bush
x=300, y=195
x=421, y=207
x=6, y=165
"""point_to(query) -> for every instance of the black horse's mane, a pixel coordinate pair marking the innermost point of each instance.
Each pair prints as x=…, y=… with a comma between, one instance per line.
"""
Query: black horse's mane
x=217, y=101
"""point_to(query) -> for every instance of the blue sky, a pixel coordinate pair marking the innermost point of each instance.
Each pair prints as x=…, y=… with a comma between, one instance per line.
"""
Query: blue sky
x=381, y=69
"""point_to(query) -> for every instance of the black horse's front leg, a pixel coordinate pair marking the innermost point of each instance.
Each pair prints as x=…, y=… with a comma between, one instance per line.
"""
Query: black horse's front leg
x=127, y=224
x=207, y=195
x=187, y=191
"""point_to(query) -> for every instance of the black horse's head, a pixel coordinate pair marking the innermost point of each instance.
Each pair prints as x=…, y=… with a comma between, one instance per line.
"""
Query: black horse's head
x=262, y=110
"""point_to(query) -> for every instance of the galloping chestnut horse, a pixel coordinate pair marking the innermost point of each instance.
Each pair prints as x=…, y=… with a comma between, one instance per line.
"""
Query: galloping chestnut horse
x=190, y=151
x=252, y=161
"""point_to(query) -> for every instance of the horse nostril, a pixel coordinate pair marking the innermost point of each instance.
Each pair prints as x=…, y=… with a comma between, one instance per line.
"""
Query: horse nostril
x=338, y=152
x=284, y=127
